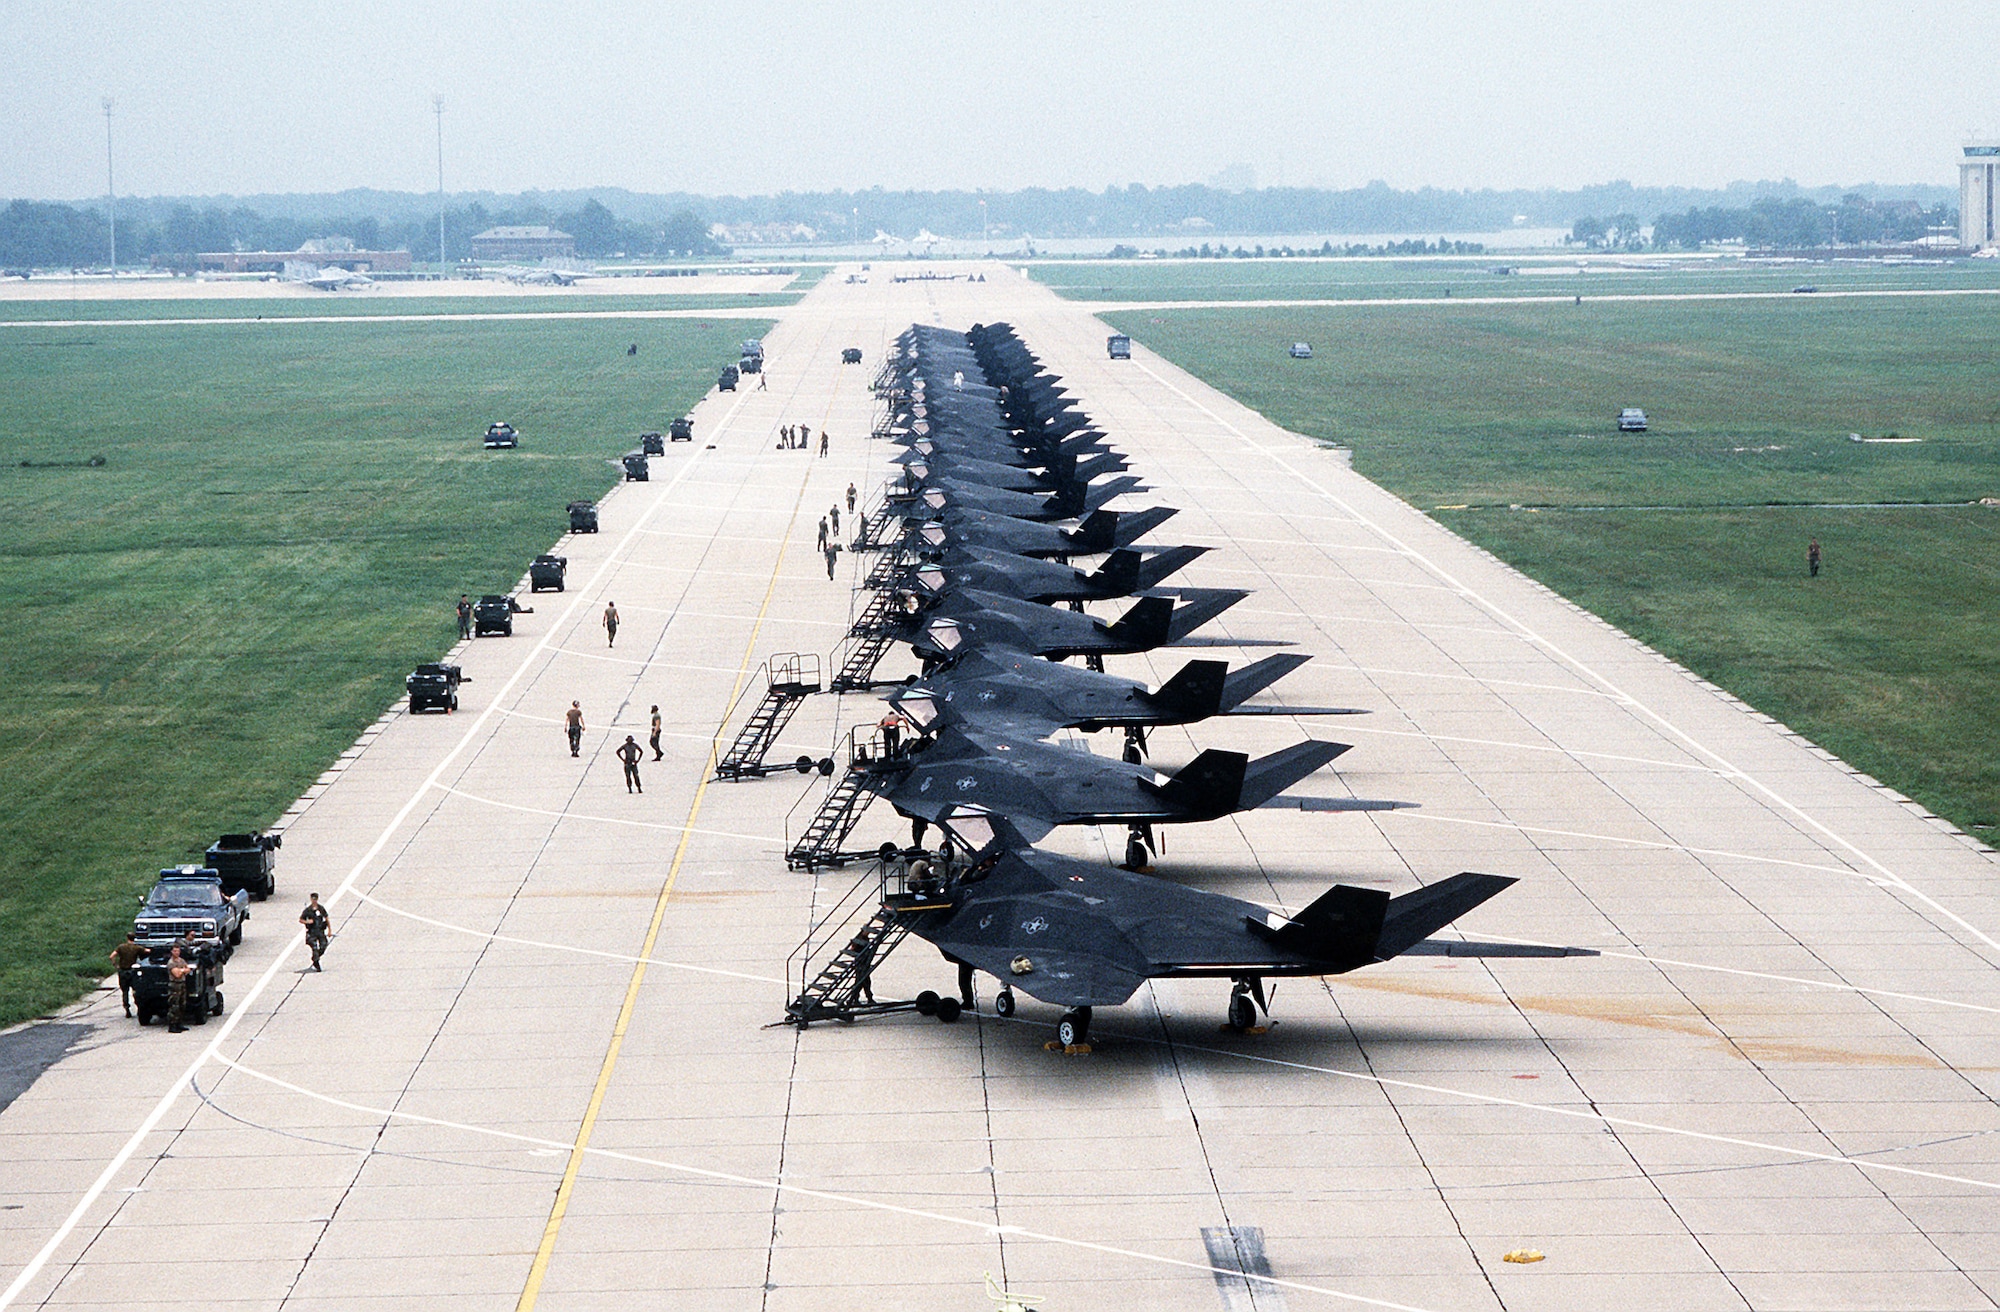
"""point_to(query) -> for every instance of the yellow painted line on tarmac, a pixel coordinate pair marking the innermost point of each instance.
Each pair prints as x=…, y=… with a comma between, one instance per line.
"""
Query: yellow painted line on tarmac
x=537, y=1272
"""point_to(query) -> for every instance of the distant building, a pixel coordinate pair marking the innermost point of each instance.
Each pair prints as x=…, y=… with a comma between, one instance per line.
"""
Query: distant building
x=316, y=252
x=523, y=243
x=1978, y=175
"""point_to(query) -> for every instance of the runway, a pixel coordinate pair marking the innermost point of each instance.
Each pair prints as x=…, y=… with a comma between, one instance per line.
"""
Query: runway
x=536, y=1072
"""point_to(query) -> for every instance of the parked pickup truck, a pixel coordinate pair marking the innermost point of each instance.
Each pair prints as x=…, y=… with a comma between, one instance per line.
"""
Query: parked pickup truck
x=247, y=863
x=501, y=437
x=188, y=903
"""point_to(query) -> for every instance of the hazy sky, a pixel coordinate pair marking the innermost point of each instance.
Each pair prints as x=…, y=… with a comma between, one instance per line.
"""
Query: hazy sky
x=758, y=97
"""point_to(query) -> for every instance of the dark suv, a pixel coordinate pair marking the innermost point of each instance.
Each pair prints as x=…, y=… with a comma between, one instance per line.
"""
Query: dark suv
x=246, y=863
x=434, y=685
x=495, y=614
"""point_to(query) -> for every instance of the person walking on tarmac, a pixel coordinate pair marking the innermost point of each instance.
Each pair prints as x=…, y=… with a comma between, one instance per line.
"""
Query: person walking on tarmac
x=833, y=518
x=464, y=615
x=573, y=722
x=822, y=444
x=126, y=958
x=763, y=381
x=832, y=550
x=314, y=918
x=655, y=739
x=850, y=498
x=631, y=754
x=611, y=624
x=180, y=972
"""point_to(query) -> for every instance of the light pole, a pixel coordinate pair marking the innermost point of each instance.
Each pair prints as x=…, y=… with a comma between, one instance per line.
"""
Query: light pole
x=110, y=186
x=983, y=238
x=437, y=107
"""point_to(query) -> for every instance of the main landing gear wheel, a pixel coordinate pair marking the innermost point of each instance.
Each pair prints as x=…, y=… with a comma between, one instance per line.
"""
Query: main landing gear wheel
x=1003, y=1004
x=1073, y=1030
x=1242, y=1012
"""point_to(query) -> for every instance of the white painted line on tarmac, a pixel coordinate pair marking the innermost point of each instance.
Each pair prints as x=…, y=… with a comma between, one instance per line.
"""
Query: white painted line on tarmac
x=604, y=819
x=1531, y=747
x=1565, y=298
x=1771, y=794
x=212, y=1050
x=515, y=316
x=1657, y=843
x=626, y=957
x=821, y=1195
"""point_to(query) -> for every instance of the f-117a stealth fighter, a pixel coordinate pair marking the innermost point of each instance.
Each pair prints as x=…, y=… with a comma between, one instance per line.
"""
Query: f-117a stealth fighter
x=1024, y=694
x=937, y=496
x=1041, y=785
x=1079, y=935
x=969, y=617
x=1124, y=572
x=1101, y=530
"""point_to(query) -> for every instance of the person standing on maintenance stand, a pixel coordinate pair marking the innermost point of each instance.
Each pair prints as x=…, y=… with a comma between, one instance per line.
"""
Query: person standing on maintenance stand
x=655, y=739
x=315, y=920
x=631, y=753
x=573, y=722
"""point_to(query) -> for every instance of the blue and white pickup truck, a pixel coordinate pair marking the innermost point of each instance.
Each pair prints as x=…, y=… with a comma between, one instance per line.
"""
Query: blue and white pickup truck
x=188, y=901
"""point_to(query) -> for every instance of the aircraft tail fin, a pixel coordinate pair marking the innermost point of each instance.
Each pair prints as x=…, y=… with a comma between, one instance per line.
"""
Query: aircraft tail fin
x=1209, y=786
x=1119, y=574
x=1414, y=917
x=1193, y=694
x=1099, y=531
x=1254, y=678
x=1342, y=927
x=1133, y=525
x=1146, y=625
x=1104, y=462
x=1268, y=776
x=1165, y=563
x=1199, y=606
x=1096, y=496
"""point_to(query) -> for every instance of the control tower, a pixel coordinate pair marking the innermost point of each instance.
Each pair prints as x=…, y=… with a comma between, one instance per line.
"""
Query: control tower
x=1978, y=179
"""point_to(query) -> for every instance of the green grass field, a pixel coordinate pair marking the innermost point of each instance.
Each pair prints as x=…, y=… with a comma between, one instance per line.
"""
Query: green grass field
x=1381, y=278
x=1500, y=422
x=277, y=535
x=363, y=304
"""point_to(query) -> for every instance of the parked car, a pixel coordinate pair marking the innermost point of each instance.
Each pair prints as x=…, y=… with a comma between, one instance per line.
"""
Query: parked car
x=727, y=382
x=1302, y=350
x=1631, y=420
x=851, y=355
x=1118, y=346
x=494, y=613
x=247, y=863
x=433, y=685
x=545, y=573
x=187, y=904
x=501, y=436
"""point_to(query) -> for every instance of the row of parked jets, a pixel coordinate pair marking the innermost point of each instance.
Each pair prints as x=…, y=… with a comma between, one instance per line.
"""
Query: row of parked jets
x=1002, y=483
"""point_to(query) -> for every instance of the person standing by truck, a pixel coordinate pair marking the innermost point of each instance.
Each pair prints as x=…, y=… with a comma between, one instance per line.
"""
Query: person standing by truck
x=180, y=972
x=126, y=957
x=464, y=615
x=314, y=919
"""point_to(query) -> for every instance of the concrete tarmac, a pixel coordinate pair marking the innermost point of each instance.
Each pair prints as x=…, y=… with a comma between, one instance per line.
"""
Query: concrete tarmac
x=537, y=1072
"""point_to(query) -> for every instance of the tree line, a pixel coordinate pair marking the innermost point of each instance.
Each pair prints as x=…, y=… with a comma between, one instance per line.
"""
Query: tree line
x=49, y=234
x=1771, y=223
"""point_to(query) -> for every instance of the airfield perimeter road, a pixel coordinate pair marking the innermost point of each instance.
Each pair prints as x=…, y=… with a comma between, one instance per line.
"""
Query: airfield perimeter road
x=1773, y=1090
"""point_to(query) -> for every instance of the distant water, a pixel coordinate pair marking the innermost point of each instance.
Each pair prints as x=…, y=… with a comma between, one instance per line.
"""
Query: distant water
x=1014, y=248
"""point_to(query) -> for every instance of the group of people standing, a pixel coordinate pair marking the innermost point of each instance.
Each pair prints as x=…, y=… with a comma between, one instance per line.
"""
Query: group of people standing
x=798, y=437
x=183, y=968
x=628, y=752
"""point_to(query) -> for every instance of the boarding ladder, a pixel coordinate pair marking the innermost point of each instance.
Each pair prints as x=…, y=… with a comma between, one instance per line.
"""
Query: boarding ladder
x=841, y=809
x=790, y=678
x=866, y=923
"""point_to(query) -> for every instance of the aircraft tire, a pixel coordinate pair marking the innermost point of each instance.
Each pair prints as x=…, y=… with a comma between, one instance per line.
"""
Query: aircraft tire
x=1242, y=1011
x=1074, y=1028
x=1003, y=1005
